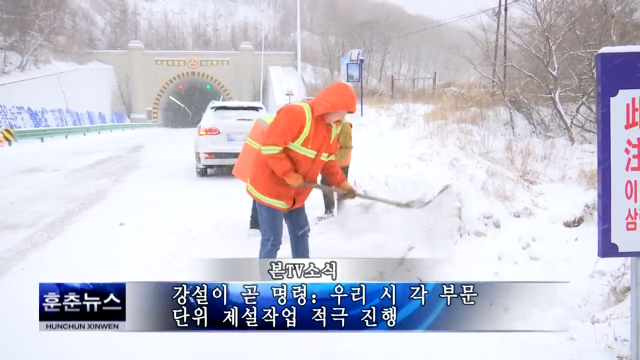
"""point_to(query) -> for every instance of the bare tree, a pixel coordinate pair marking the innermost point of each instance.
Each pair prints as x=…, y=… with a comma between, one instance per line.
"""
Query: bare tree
x=40, y=19
x=376, y=28
x=151, y=35
x=119, y=18
x=552, y=71
x=135, y=21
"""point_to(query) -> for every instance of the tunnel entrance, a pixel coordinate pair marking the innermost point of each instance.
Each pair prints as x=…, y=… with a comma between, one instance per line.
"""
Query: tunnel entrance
x=186, y=99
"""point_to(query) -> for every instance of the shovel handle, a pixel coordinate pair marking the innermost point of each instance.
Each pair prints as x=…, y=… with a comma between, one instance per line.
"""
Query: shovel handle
x=326, y=188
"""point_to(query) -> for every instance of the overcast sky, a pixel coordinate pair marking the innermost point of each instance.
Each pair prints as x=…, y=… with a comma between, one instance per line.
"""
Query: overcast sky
x=442, y=10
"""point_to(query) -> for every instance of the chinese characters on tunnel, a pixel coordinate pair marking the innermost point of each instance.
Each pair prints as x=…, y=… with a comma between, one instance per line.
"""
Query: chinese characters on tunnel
x=195, y=61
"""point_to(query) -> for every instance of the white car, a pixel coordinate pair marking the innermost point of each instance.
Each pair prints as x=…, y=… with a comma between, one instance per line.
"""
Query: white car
x=222, y=132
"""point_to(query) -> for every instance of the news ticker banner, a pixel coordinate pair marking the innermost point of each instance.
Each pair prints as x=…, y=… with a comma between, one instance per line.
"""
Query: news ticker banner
x=313, y=306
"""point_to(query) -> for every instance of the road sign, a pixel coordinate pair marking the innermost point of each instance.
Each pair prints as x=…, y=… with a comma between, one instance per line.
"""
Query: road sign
x=618, y=103
x=9, y=135
x=353, y=72
x=355, y=55
x=618, y=97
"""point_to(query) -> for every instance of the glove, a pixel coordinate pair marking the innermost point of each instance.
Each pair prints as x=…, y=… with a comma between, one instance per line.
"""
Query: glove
x=350, y=191
x=294, y=180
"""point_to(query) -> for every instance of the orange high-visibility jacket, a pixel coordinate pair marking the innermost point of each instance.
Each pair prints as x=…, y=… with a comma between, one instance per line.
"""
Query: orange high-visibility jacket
x=298, y=139
x=251, y=148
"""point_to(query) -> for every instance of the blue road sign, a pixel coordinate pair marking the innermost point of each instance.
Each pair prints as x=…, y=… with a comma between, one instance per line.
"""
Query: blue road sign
x=618, y=104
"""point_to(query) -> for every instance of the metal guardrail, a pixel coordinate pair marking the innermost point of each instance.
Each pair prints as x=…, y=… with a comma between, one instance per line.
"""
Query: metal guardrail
x=42, y=133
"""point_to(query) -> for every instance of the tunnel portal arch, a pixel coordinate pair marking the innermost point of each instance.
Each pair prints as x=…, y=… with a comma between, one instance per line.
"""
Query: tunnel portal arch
x=155, y=110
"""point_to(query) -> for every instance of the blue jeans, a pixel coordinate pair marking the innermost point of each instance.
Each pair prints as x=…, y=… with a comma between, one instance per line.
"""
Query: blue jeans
x=271, y=228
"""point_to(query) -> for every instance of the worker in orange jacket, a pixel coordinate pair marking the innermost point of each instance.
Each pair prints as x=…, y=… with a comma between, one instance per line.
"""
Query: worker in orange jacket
x=286, y=151
x=343, y=158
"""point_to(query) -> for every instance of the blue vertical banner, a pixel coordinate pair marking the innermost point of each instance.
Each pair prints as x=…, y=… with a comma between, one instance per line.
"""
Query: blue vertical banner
x=618, y=104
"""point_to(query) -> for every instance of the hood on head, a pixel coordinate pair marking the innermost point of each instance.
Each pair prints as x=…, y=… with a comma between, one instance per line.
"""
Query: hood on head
x=335, y=97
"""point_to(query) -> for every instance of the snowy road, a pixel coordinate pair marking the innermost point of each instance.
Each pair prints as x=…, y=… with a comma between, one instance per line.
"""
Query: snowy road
x=112, y=207
x=44, y=188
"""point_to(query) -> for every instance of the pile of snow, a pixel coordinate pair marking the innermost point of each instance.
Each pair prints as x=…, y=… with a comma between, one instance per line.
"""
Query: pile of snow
x=13, y=59
x=520, y=209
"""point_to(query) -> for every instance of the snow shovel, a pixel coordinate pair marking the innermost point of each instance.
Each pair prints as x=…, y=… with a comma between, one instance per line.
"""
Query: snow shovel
x=413, y=204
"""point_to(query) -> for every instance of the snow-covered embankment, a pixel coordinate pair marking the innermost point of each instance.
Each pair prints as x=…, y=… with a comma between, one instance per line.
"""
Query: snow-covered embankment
x=61, y=95
x=522, y=209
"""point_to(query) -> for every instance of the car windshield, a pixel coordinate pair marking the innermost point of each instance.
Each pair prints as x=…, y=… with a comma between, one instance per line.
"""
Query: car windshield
x=227, y=113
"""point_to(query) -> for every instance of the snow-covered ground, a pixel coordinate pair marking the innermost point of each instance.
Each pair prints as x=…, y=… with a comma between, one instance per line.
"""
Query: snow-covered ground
x=113, y=207
x=51, y=68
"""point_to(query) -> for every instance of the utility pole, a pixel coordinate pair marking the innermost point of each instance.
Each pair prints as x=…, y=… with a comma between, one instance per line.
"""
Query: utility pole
x=299, y=40
x=495, y=48
x=504, y=69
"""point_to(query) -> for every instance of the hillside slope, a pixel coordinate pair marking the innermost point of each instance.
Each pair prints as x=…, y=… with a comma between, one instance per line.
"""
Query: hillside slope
x=393, y=41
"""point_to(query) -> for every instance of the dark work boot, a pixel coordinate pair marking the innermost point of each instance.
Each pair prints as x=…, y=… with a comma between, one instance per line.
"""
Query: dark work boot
x=254, y=224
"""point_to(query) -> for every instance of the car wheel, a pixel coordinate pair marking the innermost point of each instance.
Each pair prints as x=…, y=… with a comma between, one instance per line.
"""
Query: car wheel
x=201, y=172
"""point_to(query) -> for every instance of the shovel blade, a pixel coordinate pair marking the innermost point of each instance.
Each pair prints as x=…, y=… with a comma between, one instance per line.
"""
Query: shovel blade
x=419, y=204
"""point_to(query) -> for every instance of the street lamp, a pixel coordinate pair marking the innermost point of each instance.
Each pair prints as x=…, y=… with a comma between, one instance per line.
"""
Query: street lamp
x=299, y=40
x=261, y=57
x=179, y=103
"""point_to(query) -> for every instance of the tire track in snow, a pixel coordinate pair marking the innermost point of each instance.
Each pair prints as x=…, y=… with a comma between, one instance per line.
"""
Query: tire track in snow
x=45, y=203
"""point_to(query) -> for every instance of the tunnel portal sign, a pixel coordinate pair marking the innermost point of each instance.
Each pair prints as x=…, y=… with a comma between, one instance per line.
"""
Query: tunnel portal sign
x=171, y=62
x=192, y=63
x=214, y=62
